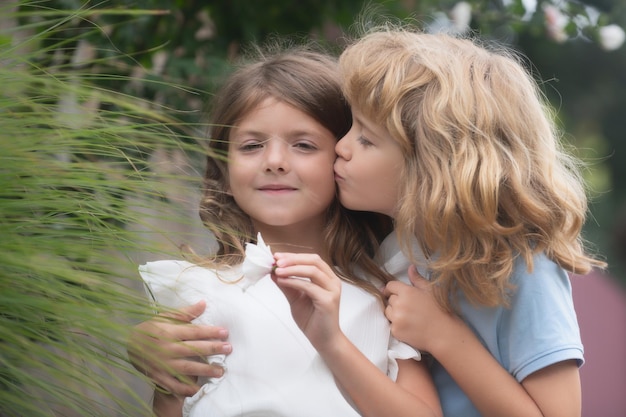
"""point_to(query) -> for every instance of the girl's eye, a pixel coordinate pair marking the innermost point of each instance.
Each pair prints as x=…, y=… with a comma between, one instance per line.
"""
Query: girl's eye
x=364, y=141
x=306, y=146
x=250, y=146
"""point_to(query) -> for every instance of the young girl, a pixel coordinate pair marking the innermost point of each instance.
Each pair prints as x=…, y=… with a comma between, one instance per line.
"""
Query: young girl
x=454, y=142
x=269, y=174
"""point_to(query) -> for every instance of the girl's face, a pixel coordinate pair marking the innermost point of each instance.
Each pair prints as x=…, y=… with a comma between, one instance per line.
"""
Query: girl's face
x=368, y=167
x=280, y=166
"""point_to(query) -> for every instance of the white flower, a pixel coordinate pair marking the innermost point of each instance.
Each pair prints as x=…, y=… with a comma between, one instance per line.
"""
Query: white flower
x=555, y=23
x=611, y=37
x=461, y=16
x=258, y=263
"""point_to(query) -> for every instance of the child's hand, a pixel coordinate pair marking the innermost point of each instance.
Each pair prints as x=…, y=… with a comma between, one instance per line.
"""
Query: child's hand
x=313, y=291
x=416, y=317
x=166, y=349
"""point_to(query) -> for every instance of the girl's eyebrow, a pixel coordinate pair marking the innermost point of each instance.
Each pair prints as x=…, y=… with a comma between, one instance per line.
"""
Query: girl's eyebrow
x=249, y=132
x=294, y=133
x=240, y=134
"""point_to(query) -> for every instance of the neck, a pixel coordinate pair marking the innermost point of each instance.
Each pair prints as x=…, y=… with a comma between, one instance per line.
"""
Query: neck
x=296, y=239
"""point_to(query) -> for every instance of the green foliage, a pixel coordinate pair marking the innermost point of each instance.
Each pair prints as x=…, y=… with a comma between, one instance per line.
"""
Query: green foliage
x=73, y=178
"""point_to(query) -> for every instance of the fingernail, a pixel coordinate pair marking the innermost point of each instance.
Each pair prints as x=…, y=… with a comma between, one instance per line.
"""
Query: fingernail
x=227, y=348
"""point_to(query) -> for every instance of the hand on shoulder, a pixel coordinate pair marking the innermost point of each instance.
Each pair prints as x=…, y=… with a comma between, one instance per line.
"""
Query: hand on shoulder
x=166, y=348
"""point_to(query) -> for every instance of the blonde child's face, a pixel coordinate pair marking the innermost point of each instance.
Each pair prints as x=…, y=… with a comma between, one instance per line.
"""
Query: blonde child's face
x=368, y=167
x=280, y=166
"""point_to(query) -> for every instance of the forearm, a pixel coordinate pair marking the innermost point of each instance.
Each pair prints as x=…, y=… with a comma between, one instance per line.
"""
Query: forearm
x=373, y=392
x=492, y=390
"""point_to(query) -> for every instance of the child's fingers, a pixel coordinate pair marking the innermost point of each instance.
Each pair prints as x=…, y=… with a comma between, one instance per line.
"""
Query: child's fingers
x=416, y=279
x=188, y=313
x=300, y=272
x=308, y=267
x=284, y=259
x=297, y=286
x=171, y=385
x=393, y=287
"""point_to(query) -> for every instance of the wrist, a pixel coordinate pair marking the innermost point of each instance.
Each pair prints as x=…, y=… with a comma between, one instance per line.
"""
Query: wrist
x=451, y=334
x=333, y=347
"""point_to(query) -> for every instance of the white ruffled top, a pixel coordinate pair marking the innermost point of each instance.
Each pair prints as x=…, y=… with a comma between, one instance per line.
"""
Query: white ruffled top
x=273, y=369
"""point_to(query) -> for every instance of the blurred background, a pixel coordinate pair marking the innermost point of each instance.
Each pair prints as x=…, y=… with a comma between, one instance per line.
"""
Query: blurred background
x=169, y=55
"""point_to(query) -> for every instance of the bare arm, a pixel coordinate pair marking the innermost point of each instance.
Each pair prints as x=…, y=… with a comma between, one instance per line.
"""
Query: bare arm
x=488, y=385
x=315, y=307
x=374, y=393
x=419, y=321
x=556, y=389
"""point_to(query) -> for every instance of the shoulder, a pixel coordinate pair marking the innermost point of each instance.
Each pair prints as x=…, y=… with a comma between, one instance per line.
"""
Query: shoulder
x=170, y=273
x=187, y=270
x=177, y=283
x=545, y=279
x=541, y=293
x=165, y=267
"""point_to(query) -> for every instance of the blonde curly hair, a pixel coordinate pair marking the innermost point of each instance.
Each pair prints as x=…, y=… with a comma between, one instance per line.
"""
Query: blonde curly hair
x=486, y=179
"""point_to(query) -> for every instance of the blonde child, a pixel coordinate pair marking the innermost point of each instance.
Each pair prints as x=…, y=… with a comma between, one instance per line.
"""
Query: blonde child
x=276, y=122
x=454, y=141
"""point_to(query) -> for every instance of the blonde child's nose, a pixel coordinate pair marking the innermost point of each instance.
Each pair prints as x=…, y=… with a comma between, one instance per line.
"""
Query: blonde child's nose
x=342, y=148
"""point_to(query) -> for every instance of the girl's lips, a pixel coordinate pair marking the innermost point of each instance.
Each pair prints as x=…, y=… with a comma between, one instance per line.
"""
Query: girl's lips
x=276, y=188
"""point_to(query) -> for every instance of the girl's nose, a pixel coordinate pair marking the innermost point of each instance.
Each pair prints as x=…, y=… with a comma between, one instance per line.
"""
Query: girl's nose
x=277, y=156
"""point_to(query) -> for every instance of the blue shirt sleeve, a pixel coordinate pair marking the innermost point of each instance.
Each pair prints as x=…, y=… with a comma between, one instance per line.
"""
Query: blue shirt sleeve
x=540, y=328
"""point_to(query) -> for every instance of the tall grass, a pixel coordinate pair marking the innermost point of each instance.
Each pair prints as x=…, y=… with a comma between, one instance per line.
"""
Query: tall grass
x=79, y=199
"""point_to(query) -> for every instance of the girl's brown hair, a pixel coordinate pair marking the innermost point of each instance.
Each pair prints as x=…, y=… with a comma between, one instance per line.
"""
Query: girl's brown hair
x=308, y=80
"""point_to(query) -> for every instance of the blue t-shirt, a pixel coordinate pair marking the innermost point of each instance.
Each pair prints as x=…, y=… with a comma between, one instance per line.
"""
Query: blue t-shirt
x=539, y=329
